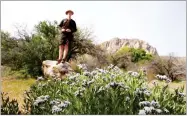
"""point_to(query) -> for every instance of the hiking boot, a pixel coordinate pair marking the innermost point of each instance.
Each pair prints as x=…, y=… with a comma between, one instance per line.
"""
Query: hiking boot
x=63, y=60
x=58, y=61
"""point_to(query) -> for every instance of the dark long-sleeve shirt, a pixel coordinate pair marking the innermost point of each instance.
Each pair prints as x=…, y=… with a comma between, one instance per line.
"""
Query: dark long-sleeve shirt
x=72, y=25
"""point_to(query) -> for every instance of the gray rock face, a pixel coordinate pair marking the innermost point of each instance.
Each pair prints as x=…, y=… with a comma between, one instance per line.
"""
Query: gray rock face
x=114, y=45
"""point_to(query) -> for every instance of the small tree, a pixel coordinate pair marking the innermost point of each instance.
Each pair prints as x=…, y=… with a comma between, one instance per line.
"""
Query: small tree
x=171, y=67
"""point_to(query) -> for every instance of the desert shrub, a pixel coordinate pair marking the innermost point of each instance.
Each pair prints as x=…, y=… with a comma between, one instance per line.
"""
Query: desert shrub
x=91, y=61
x=9, y=107
x=103, y=91
x=171, y=67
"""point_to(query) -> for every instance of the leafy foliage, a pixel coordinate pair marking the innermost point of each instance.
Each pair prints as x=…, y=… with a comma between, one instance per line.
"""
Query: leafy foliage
x=136, y=54
x=28, y=52
x=126, y=57
x=103, y=91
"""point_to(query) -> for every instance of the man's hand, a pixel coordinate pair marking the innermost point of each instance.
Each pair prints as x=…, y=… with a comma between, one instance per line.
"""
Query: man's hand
x=68, y=30
x=63, y=30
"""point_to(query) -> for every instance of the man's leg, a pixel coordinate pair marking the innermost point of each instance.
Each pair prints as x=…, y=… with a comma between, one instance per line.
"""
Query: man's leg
x=65, y=51
x=69, y=51
x=61, y=48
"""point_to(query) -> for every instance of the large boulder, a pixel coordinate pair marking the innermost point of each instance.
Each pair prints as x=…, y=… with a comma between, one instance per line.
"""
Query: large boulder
x=51, y=69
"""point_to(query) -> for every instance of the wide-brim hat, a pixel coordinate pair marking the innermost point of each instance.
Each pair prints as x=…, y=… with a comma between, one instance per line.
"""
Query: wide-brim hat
x=69, y=11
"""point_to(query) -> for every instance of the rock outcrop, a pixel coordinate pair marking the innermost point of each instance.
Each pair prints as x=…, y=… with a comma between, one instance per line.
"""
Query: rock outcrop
x=50, y=68
x=114, y=45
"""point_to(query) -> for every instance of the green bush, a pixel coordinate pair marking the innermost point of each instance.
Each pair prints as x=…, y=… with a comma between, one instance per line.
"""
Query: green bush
x=28, y=52
x=9, y=107
x=129, y=58
x=103, y=91
x=137, y=54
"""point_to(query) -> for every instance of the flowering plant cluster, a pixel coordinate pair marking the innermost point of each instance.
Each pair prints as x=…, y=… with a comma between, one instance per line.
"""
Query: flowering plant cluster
x=163, y=77
x=103, y=91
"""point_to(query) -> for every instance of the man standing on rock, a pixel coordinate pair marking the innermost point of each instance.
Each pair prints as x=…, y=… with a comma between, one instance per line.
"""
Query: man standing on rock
x=67, y=27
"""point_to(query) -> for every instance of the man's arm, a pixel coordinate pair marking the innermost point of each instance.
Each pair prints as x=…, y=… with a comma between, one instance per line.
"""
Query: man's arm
x=74, y=26
x=61, y=24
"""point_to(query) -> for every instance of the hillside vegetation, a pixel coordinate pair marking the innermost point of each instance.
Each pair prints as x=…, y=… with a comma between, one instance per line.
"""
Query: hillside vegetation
x=115, y=82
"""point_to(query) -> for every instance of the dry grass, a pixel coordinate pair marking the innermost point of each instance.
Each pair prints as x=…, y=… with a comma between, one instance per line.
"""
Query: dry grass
x=16, y=87
x=172, y=86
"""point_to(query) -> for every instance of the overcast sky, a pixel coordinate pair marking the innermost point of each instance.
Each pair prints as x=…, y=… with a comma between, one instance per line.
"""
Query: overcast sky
x=161, y=24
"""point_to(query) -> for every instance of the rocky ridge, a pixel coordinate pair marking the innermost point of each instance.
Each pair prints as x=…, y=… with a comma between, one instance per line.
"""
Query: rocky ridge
x=115, y=44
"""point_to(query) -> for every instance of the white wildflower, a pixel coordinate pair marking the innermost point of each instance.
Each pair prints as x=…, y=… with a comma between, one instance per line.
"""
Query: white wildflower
x=65, y=82
x=40, y=78
x=165, y=110
x=107, y=86
x=147, y=110
x=82, y=90
x=144, y=103
x=127, y=98
x=86, y=73
x=93, y=73
x=148, y=93
x=113, y=76
x=158, y=111
x=168, y=80
x=181, y=94
x=79, y=92
x=72, y=77
x=54, y=102
x=162, y=77
x=134, y=74
x=67, y=102
x=62, y=105
x=82, y=66
x=101, y=70
x=113, y=84
x=38, y=101
x=46, y=97
x=155, y=104
x=152, y=108
x=41, y=99
x=144, y=88
x=56, y=109
x=141, y=112
x=35, y=103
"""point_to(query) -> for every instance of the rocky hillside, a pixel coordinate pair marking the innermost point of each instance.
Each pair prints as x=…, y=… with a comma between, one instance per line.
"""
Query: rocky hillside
x=115, y=44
